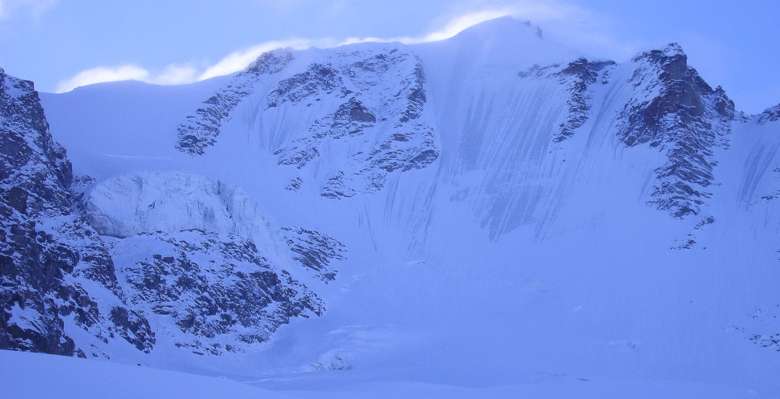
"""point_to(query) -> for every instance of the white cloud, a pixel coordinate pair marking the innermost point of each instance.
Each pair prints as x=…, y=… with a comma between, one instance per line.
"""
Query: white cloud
x=572, y=25
x=181, y=73
x=461, y=23
x=170, y=75
x=175, y=74
x=36, y=7
x=451, y=28
x=577, y=27
x=239, y=60
x=538, y=13
x=103, y=74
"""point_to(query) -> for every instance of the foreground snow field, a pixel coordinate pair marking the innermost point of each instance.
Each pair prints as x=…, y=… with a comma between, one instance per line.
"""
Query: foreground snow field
x=33, y=375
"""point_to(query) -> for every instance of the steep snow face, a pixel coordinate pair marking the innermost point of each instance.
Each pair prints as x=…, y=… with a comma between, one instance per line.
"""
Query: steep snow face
x=503, y=200
x=510, y=151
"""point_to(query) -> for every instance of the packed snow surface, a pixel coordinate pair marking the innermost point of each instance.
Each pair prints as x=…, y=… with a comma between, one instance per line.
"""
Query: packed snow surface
x=95, y=379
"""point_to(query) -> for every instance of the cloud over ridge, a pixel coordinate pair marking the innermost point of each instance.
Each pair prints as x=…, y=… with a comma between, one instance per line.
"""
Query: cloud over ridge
x=567, y=19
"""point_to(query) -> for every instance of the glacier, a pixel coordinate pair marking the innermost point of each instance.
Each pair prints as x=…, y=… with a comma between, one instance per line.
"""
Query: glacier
x=487, y=211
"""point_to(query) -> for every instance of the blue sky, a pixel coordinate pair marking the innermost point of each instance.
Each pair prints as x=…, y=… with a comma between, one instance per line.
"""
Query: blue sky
x=65, y=43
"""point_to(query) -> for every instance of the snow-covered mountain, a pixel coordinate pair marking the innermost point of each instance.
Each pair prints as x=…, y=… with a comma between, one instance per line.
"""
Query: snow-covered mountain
x=494, y=206
x=146, y=260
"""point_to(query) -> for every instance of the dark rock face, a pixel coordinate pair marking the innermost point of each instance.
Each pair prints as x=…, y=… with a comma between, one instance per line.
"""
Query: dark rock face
x=135, y=328
x=771, y=342
x=294, y=184
x=314, y=250
x=380, y=97
x=415, y=95
x=318, y=80
x=44, y=244
x=200, y=130
x=577, y=77
x=399, y=152
x=58, y=275
x=770, y=115
x=350, y=119
x=30, y=158
x=353, y=98
x=762, y=327
x=336, y=187
x=676, y=111
x=298, y=156
x=221, y=294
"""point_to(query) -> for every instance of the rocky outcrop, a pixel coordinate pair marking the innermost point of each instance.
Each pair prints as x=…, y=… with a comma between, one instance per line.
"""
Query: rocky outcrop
x=577, y=77
x=190, y=253
x=219, y=292
x=770, y=115
x=400, y=152
x=359, y=100
x=314, y=250
x=351, y=118
x=379, y=102
x=199, y=130
x=149, y=259
x=336, y=187
x=49, y=255
x=674, y=110
x=316, y=82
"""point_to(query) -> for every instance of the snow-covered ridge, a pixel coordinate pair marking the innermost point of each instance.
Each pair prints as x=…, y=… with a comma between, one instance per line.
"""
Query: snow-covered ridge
x=361, y=115
x=135, y=265
x=675, y=110
x=44, y=247
x=29, y=154
x=770, y=115
x=577, y=77
x=200, y=129
x=580, y=220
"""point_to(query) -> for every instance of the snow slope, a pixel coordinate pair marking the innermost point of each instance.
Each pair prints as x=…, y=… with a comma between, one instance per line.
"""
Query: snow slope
x=138, y=262
x=511, y=212
x=90, y=379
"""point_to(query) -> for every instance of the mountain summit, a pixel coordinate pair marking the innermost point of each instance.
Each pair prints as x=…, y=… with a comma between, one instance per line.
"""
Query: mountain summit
x=491, y=206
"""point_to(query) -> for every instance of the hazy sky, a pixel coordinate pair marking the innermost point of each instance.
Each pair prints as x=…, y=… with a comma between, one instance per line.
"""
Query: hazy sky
x=61, y=44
